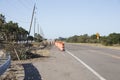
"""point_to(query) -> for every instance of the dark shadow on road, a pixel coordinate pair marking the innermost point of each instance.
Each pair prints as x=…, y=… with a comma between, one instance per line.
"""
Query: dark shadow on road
x=31, y=72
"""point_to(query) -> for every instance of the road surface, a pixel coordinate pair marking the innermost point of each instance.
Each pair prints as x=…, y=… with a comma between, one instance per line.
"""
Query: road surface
x=80, y=62
x=104, y=61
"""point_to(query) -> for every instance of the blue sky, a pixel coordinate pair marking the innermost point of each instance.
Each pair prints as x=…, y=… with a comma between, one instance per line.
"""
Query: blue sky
x=64, y=18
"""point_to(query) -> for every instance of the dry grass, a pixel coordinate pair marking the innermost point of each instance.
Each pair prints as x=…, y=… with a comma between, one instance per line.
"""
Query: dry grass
x=43, y=53
x=100, y=45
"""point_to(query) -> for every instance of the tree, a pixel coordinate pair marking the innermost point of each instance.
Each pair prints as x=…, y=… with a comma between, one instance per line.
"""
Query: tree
x=2, y=19
x=93, y=36
x=93, y=39
x=30, y=38
x=114, y=38
x=73, y=39
x=22, y=34
x=38, y=37
x=10, y=31
x=84, y=38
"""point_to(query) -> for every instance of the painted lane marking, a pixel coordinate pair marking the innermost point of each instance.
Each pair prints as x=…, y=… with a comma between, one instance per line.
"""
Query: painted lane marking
x=111, y=55
x=88, y=67
x=63, y=54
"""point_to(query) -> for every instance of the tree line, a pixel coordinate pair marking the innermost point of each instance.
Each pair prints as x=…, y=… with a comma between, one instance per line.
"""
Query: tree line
x=111, y=39
x=11, y=31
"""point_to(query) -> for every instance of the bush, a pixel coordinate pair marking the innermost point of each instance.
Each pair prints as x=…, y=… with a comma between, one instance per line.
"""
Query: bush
x=111, y=39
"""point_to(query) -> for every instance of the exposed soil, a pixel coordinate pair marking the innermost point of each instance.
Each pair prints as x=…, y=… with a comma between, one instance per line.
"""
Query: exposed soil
x=16, y=70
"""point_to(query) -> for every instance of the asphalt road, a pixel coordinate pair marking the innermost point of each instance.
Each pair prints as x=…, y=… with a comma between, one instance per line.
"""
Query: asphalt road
x=104, y=63
x=79, y=62
x=62, y=66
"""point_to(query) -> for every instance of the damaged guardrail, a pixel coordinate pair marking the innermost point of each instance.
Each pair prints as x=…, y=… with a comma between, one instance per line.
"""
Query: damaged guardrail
x=5, y=62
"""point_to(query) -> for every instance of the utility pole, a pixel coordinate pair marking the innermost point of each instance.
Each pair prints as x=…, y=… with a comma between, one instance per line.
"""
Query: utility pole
x=38, y=29
x=34, y=25
x=31, y=21
x=41, y=32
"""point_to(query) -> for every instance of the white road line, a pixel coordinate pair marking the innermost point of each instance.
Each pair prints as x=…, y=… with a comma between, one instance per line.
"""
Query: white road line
x=63, y=54
x=88, y=67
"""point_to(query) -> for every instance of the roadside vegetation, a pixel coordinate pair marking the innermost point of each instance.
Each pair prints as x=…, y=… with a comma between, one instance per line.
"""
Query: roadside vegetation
x=110, y=40
x=14, y=39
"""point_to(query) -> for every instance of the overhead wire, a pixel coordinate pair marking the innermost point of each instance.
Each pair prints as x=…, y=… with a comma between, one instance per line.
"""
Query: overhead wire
x=38, y=21
x=14, y=6
x=11, y=9
x=8, y=16
x=24, y=5
x=17, y=5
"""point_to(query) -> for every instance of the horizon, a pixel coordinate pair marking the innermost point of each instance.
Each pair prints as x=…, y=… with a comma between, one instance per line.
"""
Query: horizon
x=65, y=18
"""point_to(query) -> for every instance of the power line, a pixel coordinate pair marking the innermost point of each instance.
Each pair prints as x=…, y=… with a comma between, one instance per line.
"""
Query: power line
x=15, y=5
x=25, y=6
x=8, y=16
x=41, y=32
x=5, y=11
